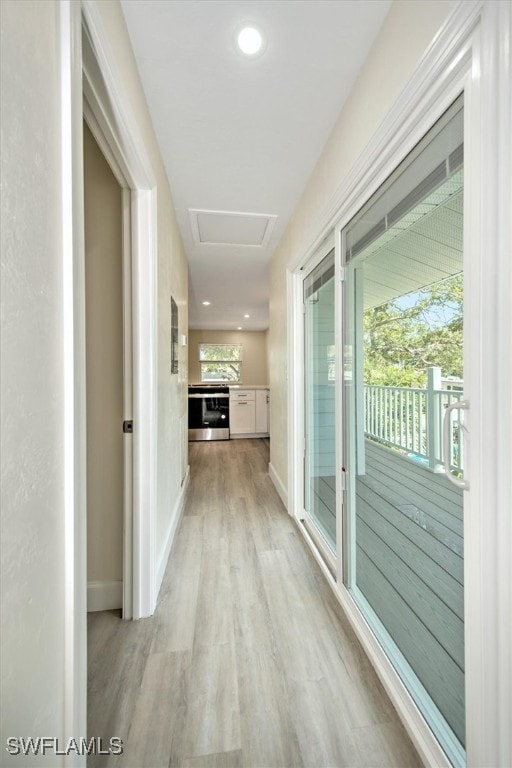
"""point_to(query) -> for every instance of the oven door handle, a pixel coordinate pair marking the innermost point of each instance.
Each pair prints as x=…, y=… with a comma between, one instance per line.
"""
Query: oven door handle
x=209, y=395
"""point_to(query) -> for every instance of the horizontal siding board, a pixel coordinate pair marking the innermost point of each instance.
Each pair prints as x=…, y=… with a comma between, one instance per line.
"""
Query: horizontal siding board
x=324, y=517
x=325, y=492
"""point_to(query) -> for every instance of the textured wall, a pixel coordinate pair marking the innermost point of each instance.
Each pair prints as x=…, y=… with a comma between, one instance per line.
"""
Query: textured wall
x=404, y=37
x=32, y=534
x=254, y=364
x=33, y=528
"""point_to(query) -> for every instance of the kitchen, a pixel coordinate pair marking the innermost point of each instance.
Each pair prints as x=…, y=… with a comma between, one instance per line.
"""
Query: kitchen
x=229, y=397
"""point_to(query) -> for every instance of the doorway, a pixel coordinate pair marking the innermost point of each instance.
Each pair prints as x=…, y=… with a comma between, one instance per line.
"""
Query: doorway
x=404, y=512
x=320, y=403
x=108, y=381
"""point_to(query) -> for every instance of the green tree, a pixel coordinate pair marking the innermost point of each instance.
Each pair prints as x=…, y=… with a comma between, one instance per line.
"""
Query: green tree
x=220, y=362
x=406, y=336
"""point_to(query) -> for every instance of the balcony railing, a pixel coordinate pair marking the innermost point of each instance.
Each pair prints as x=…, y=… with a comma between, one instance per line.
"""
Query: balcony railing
x=411, y=419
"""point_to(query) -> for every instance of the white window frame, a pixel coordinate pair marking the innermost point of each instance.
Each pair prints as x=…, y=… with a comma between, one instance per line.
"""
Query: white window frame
x=227, y=361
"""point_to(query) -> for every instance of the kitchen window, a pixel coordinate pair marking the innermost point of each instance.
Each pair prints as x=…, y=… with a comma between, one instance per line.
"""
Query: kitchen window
x=220, y=362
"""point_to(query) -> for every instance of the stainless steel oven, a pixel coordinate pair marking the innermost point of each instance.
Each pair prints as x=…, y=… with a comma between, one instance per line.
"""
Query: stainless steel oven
x=208, y=412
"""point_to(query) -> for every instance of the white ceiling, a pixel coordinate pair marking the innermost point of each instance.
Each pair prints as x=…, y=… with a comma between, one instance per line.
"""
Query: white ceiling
x=241, y=136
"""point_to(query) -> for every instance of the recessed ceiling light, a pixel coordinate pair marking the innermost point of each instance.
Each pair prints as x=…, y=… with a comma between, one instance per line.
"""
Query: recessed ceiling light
x=250, y=40
x=206, y=303
x=246, y=315
x=239, y=328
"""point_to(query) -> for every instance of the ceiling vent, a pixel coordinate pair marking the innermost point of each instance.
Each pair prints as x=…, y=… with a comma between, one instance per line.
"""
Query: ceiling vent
x=231, y=228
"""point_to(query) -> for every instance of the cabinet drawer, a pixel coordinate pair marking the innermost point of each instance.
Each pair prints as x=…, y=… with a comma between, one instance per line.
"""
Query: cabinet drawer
x=242, y=394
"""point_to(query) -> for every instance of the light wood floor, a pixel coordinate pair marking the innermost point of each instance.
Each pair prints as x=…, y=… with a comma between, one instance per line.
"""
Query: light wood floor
x=248, y=660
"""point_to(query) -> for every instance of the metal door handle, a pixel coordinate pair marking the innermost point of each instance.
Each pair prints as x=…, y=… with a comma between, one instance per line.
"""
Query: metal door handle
x=462, y=405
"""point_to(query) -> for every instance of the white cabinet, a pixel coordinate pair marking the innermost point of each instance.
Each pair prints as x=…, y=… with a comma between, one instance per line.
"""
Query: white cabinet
x=262, y=403
x=242, y=412
x=248, y=412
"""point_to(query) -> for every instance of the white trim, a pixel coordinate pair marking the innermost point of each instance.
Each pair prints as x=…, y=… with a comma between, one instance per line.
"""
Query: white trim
x=278, y=484
x=488, y=523
x=115, y=119
x=193, y=214
x=126, y=154
x=295, y=326
x=319, y=541
x=171, y=531
x=127, y=600
x=144, y=402
x=73, y=320
x=104, y=595
x=94, y=116
x=295, y=385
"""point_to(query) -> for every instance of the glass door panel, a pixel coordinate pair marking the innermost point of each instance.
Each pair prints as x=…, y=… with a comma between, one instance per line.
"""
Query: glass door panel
x=319, y=385
x=404, y=329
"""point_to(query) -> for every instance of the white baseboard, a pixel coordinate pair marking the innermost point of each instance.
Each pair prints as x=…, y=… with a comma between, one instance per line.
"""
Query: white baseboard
x=171, y=532
x=279, y=485
x=249, y=435
x=104, y=595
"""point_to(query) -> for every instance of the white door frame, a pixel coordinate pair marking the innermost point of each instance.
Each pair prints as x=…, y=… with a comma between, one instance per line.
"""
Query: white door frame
x=114, y=129
x=119, y=129
x=471, y=53
x=92, y=108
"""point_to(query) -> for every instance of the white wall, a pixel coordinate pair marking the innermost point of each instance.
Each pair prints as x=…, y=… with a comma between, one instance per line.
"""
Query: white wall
x=34, y=612
x=254, y=363
x=404, y=37
x=32, y=534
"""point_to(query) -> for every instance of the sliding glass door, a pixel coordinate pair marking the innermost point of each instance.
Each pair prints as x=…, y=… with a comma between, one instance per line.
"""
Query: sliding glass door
x=403, y=378
x=319, y=411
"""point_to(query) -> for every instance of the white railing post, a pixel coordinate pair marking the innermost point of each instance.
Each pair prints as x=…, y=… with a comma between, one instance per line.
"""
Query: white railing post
x=434, y=417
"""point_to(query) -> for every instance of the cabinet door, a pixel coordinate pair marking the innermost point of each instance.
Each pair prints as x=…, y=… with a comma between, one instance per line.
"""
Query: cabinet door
x=242, y=417
x=262, y=397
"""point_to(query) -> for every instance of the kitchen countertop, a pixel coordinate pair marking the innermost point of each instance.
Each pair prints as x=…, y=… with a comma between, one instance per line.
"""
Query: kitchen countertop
x=231, y=386
x=249, y=386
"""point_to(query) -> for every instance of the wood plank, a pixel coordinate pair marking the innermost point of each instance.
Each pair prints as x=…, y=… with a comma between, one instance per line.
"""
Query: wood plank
x=436, y=550
x=220, y=760
x=436, y=616
x=404, y=486
x=441, y=677
x=178, y=597
x=156, y=741
x=213, y=710
x=448, y=589
x=425, y=484
x=117, y=656
x=259, y=667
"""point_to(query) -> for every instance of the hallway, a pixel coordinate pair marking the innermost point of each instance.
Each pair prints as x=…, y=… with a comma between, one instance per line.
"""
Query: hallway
x=248, y=660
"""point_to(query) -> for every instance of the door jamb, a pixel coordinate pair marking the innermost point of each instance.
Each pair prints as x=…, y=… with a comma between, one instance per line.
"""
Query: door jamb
x=114, y=126
x=115, y=131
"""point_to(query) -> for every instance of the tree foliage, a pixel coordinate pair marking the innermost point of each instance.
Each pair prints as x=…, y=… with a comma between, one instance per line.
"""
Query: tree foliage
x=220, y=362
x=406, y=336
